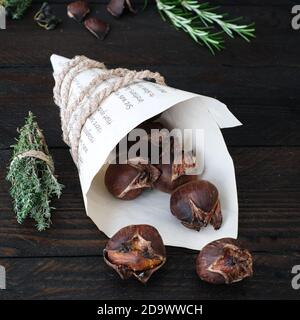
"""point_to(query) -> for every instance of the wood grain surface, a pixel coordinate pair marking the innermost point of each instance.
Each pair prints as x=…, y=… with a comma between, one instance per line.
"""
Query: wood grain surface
x=260, y=84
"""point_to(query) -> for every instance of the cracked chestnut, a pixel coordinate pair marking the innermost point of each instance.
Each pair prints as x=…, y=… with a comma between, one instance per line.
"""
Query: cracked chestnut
x=174, y=174
x=136, y=250
x=127, y=181
x=223, y=262
x=197, y=205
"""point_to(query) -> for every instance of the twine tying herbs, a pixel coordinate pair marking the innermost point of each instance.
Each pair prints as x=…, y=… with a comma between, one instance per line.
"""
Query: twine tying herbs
x=31, y=174
x=34, y=154
x=72, y=124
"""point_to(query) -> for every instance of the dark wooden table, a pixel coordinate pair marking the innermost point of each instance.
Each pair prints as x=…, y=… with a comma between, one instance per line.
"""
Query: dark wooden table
x=260, y=84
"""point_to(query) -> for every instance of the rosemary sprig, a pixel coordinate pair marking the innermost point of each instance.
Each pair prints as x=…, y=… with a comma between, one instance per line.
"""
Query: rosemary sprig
x=16, y=8
x=199, y=19
x=207, y=15
x=182, y=19
x=33, y=183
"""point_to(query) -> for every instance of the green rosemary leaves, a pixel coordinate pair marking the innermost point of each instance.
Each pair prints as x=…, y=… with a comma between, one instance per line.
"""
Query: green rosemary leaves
x=31, y=174
x=16, y=8
x=199, y=20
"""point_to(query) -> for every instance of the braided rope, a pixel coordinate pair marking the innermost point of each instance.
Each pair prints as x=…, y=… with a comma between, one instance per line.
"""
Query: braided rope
x=71, y=124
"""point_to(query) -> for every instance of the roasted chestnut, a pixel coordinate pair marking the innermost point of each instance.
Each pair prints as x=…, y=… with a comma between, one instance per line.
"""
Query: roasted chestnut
x=78, y=10
x=97, y=27
x=150, y=137
x=150, y=128
x=116, y=7
x=224, y=261
x=136, y=250
x=127, y=181
x=174, y=174
x=197, y=204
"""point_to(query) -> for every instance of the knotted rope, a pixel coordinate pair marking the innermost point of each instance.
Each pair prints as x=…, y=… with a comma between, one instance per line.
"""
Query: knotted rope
x=71, y=124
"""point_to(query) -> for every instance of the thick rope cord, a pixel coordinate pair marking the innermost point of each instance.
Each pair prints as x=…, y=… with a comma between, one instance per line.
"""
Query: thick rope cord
x=74, y=116
x=86, y=94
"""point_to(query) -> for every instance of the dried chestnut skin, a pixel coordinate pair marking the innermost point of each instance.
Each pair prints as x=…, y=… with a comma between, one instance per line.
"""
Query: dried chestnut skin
x=127, y=181
x=136, y=250
x=224, y=261
x=197, y=204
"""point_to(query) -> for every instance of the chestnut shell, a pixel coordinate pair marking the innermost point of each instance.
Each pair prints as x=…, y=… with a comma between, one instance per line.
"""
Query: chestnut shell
x=197, y=204
x=154, y=249
x=223, y=262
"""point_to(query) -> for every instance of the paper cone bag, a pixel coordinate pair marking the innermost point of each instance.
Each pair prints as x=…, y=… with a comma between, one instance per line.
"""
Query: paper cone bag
x=114, y=118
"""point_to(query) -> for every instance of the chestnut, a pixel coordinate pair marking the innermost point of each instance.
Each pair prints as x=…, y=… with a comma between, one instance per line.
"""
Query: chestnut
x=116, y=7
x=97, y=27
x=135, y=250
x=127, y=181
x=148, y=126
x=147, y=137
x=197, y=204
x=224, y=261
x=174, y=175
x=78, y=10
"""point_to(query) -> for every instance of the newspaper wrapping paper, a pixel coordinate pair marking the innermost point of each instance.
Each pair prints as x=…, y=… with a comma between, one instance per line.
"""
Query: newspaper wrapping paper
x=119, y=114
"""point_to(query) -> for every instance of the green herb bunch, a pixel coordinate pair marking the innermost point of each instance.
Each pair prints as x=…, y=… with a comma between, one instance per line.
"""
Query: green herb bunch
x=32, y=179
x=16, y=8
x=199, y=21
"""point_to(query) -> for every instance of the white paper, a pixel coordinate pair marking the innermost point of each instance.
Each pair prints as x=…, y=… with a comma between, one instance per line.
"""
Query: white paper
x=118, y=115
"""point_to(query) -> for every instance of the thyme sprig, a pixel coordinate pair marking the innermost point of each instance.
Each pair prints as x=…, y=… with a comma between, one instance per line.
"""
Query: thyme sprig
x=200, y=19
x=33, y=183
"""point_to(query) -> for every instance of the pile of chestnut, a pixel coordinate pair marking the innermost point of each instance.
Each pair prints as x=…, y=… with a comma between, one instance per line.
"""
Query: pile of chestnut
x=138, y=250
x=193, y=201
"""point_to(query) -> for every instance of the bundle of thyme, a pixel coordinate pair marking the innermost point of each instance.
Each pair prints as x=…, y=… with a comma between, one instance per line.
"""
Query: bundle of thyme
x=199, y=20
x=31, y=174
x=16, y=8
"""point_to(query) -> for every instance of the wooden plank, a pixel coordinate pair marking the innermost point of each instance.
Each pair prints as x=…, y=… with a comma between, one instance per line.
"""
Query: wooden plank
x=214, y=2
x=258, y=82
x=237, y=85
x=138, y=40
x=269, y=199
x=266, y=108
x=90, y=278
